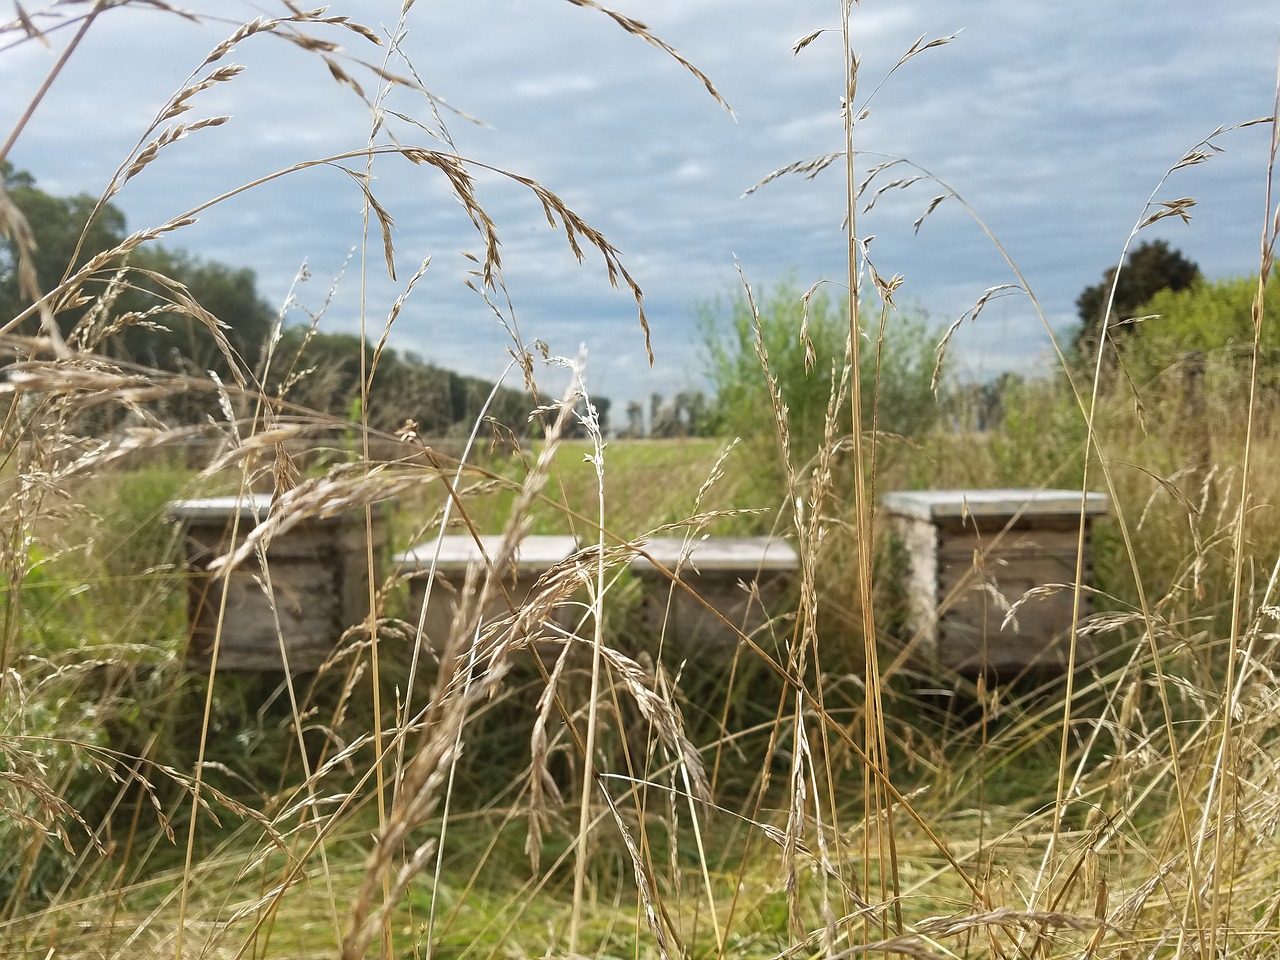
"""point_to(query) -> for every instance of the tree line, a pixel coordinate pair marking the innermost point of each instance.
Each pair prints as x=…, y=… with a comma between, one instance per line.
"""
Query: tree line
x=167, y=312
x=164, y=310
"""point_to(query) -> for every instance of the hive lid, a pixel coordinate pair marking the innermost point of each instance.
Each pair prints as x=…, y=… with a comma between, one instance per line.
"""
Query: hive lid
x=1000, y=502
x=459, y=551
x=252, y=508
x=742, y=554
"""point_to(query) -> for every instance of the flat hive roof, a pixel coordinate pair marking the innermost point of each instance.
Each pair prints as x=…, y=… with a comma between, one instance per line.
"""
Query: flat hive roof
x=743, y=554
x=252, y=507
x=459, y=551
x=996, y=502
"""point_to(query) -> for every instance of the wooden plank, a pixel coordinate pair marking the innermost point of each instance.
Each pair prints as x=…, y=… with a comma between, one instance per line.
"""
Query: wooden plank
x=973, y=555
x=744, y=580
x=451, y=595
x=919, y=540
x=318, y=582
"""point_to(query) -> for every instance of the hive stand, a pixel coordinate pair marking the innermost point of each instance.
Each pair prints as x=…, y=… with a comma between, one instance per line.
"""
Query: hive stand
x=453, y=555
x=744, y=579
x=972, y=554
x=319, y=579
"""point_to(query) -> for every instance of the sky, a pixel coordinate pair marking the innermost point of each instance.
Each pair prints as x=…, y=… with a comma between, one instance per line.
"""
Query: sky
x=1054, y=123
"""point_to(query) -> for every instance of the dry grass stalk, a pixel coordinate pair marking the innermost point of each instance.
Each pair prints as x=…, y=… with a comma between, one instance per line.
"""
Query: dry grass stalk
x=1161, y=834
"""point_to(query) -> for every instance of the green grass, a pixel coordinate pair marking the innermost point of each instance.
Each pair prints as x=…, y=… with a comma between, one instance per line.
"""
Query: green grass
x=647, y=484
x=510, y=808
x=983, y=777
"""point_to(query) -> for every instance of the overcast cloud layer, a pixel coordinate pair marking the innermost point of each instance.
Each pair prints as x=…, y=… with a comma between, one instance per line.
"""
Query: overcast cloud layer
x=1054, y=122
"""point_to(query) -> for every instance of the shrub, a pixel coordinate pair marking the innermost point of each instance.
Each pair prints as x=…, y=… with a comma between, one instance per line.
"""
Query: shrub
x=806, y=342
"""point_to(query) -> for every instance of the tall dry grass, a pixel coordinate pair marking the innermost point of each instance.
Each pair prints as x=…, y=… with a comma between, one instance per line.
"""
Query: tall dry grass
x=526, y=789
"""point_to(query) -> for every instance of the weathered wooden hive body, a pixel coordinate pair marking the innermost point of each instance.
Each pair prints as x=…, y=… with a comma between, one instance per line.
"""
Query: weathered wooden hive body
x=317, y=575
x=972, y=555
x=455, y=557
x=743, y=579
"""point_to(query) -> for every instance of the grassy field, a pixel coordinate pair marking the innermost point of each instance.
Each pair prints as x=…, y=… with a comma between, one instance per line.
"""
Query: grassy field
x=806, y=794
x=779, y=854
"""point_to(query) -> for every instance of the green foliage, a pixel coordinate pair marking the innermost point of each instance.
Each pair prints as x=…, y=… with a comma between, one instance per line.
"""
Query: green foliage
x=168, y=310
x=897, y=368
x=52, y=734
x=157, y=308
x=53, y=610
x=1041, y=437
x=325, y=370
x=1012, y=431
x=1212, y=320
x=119, y=585
x=99, y=614
x=1149, y=268
x=187, y=344
x=58, y=225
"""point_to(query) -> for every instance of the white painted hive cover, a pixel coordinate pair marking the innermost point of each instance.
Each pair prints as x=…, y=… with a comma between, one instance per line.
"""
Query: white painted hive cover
x=998, y=502
x=456, y=552
x=252, y=507
x=740, y=554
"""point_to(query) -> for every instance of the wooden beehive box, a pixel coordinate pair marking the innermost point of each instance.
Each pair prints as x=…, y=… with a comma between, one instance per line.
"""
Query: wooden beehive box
x=318, y=579
x=972, y=554
x=452, y=557
x=743, y=579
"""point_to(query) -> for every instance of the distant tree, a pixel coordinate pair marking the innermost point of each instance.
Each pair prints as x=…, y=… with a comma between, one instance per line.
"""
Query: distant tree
x=323, y=371
x=511, y=408
x=1150, y=267
x=635, y=419
x=687, y=414
x=187, y=342
x=57, y=224
x=603, y=406
x=665, y=417
x=576, y=427
x=697, y=410
x=981, y=407
x=657, y=425
x=157, y=307
x=680, y=413
x=168, y=310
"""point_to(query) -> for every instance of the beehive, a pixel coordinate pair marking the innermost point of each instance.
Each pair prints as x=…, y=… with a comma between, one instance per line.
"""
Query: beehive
x=743, y=580
x=971, y=555
x=453, y=556
x=318, y=580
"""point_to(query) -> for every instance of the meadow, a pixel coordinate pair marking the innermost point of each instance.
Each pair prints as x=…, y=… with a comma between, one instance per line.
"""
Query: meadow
x=811, y=795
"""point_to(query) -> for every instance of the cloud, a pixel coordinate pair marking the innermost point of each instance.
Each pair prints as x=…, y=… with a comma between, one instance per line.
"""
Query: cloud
x=1053, y=122
x=542, y=88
